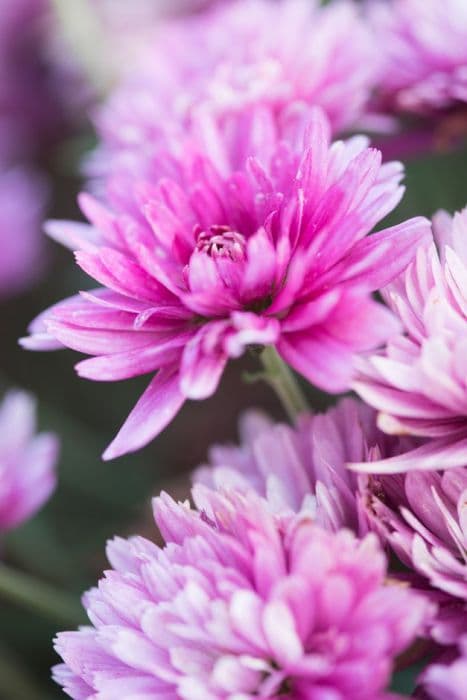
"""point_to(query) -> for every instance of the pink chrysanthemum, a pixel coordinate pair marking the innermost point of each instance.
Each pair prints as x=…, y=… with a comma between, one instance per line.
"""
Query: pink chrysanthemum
x=262, y=244
x=445, y=679
x=419, y=384
x=239, y=606
x=229, y=59
x=424, y=45
x=27, y=461
x=22, y=204
x=422, y=515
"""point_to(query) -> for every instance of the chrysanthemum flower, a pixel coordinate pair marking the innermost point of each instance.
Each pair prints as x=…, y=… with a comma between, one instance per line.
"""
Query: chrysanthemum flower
x=419, y=383
x=424, y=49
x=304, y=468
x=256, y=239
x=422, y=515
x=238, y=606
x=307, y=57
x=27, y=461
x=22, y=204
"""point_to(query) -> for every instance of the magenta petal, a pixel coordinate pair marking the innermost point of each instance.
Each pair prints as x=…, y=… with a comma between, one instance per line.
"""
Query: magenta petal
x=114, y=367
x=321, y=359
x=203, y=363
x=372, y=261
x=73, y=235
x=155, y=409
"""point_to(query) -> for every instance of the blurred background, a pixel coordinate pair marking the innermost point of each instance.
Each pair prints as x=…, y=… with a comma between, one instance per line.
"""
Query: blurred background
x=64, y=544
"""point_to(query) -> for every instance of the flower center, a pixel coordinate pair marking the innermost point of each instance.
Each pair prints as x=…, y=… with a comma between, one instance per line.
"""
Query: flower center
x=221, y=242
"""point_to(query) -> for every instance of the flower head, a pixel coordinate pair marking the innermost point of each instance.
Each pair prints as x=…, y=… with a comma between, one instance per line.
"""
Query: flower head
x=422, y=515
x=424, y=45
x=308, y=57
x=27, y=461
x=419, y=383
x=239, y=606
x=258, y=237
x=304, y=468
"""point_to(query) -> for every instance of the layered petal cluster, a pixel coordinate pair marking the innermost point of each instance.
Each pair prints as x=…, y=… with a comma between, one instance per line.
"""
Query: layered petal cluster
x=424, y=45
x=22, y=203
x=307, y=57
x=423, y=516
x=304, y=468
x=445, y=680
x=27, y=461
x=237, y=605
x=419, y=383
x=258, y=237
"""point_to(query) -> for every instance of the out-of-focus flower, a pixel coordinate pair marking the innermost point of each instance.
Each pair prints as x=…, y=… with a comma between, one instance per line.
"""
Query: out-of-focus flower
x=419, y=383
x=424, y=54
x=22, y=205
x=27, y=461
x=445, y=679
x=303, y=468
x=423, y=516
x=242, y=62
x=238, y=606
x=36, y=85
x=258, y=237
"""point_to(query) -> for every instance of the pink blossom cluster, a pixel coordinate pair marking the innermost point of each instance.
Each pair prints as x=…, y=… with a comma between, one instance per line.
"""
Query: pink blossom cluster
x=240, y=605
x=231, y=213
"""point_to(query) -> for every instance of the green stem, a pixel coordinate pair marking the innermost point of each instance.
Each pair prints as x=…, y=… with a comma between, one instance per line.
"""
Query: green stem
x=281, y=378
x=39, y=597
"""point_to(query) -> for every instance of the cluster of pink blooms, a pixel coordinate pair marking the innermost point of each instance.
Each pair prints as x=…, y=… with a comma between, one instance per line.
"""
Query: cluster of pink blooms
x=224, y=217
x=240, y=604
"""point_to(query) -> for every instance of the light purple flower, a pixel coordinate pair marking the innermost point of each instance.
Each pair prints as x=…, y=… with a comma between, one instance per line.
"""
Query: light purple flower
x=304, y=468
x=259, y=237
x=424, y=54
x=238, y=605
x=446, y=679
x=419, y=383
x=423, y=516
x=37, y=85
x=22, y=205
x=308, y=57
x=27, y=461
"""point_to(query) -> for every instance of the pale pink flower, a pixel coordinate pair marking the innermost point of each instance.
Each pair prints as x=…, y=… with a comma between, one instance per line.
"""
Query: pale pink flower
x=419, y=383
x=27, y=461
x=304, y=467
x=238, y=605
x=423, y=516
x=228, y=59
x=258, y=237
x=423, y=53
